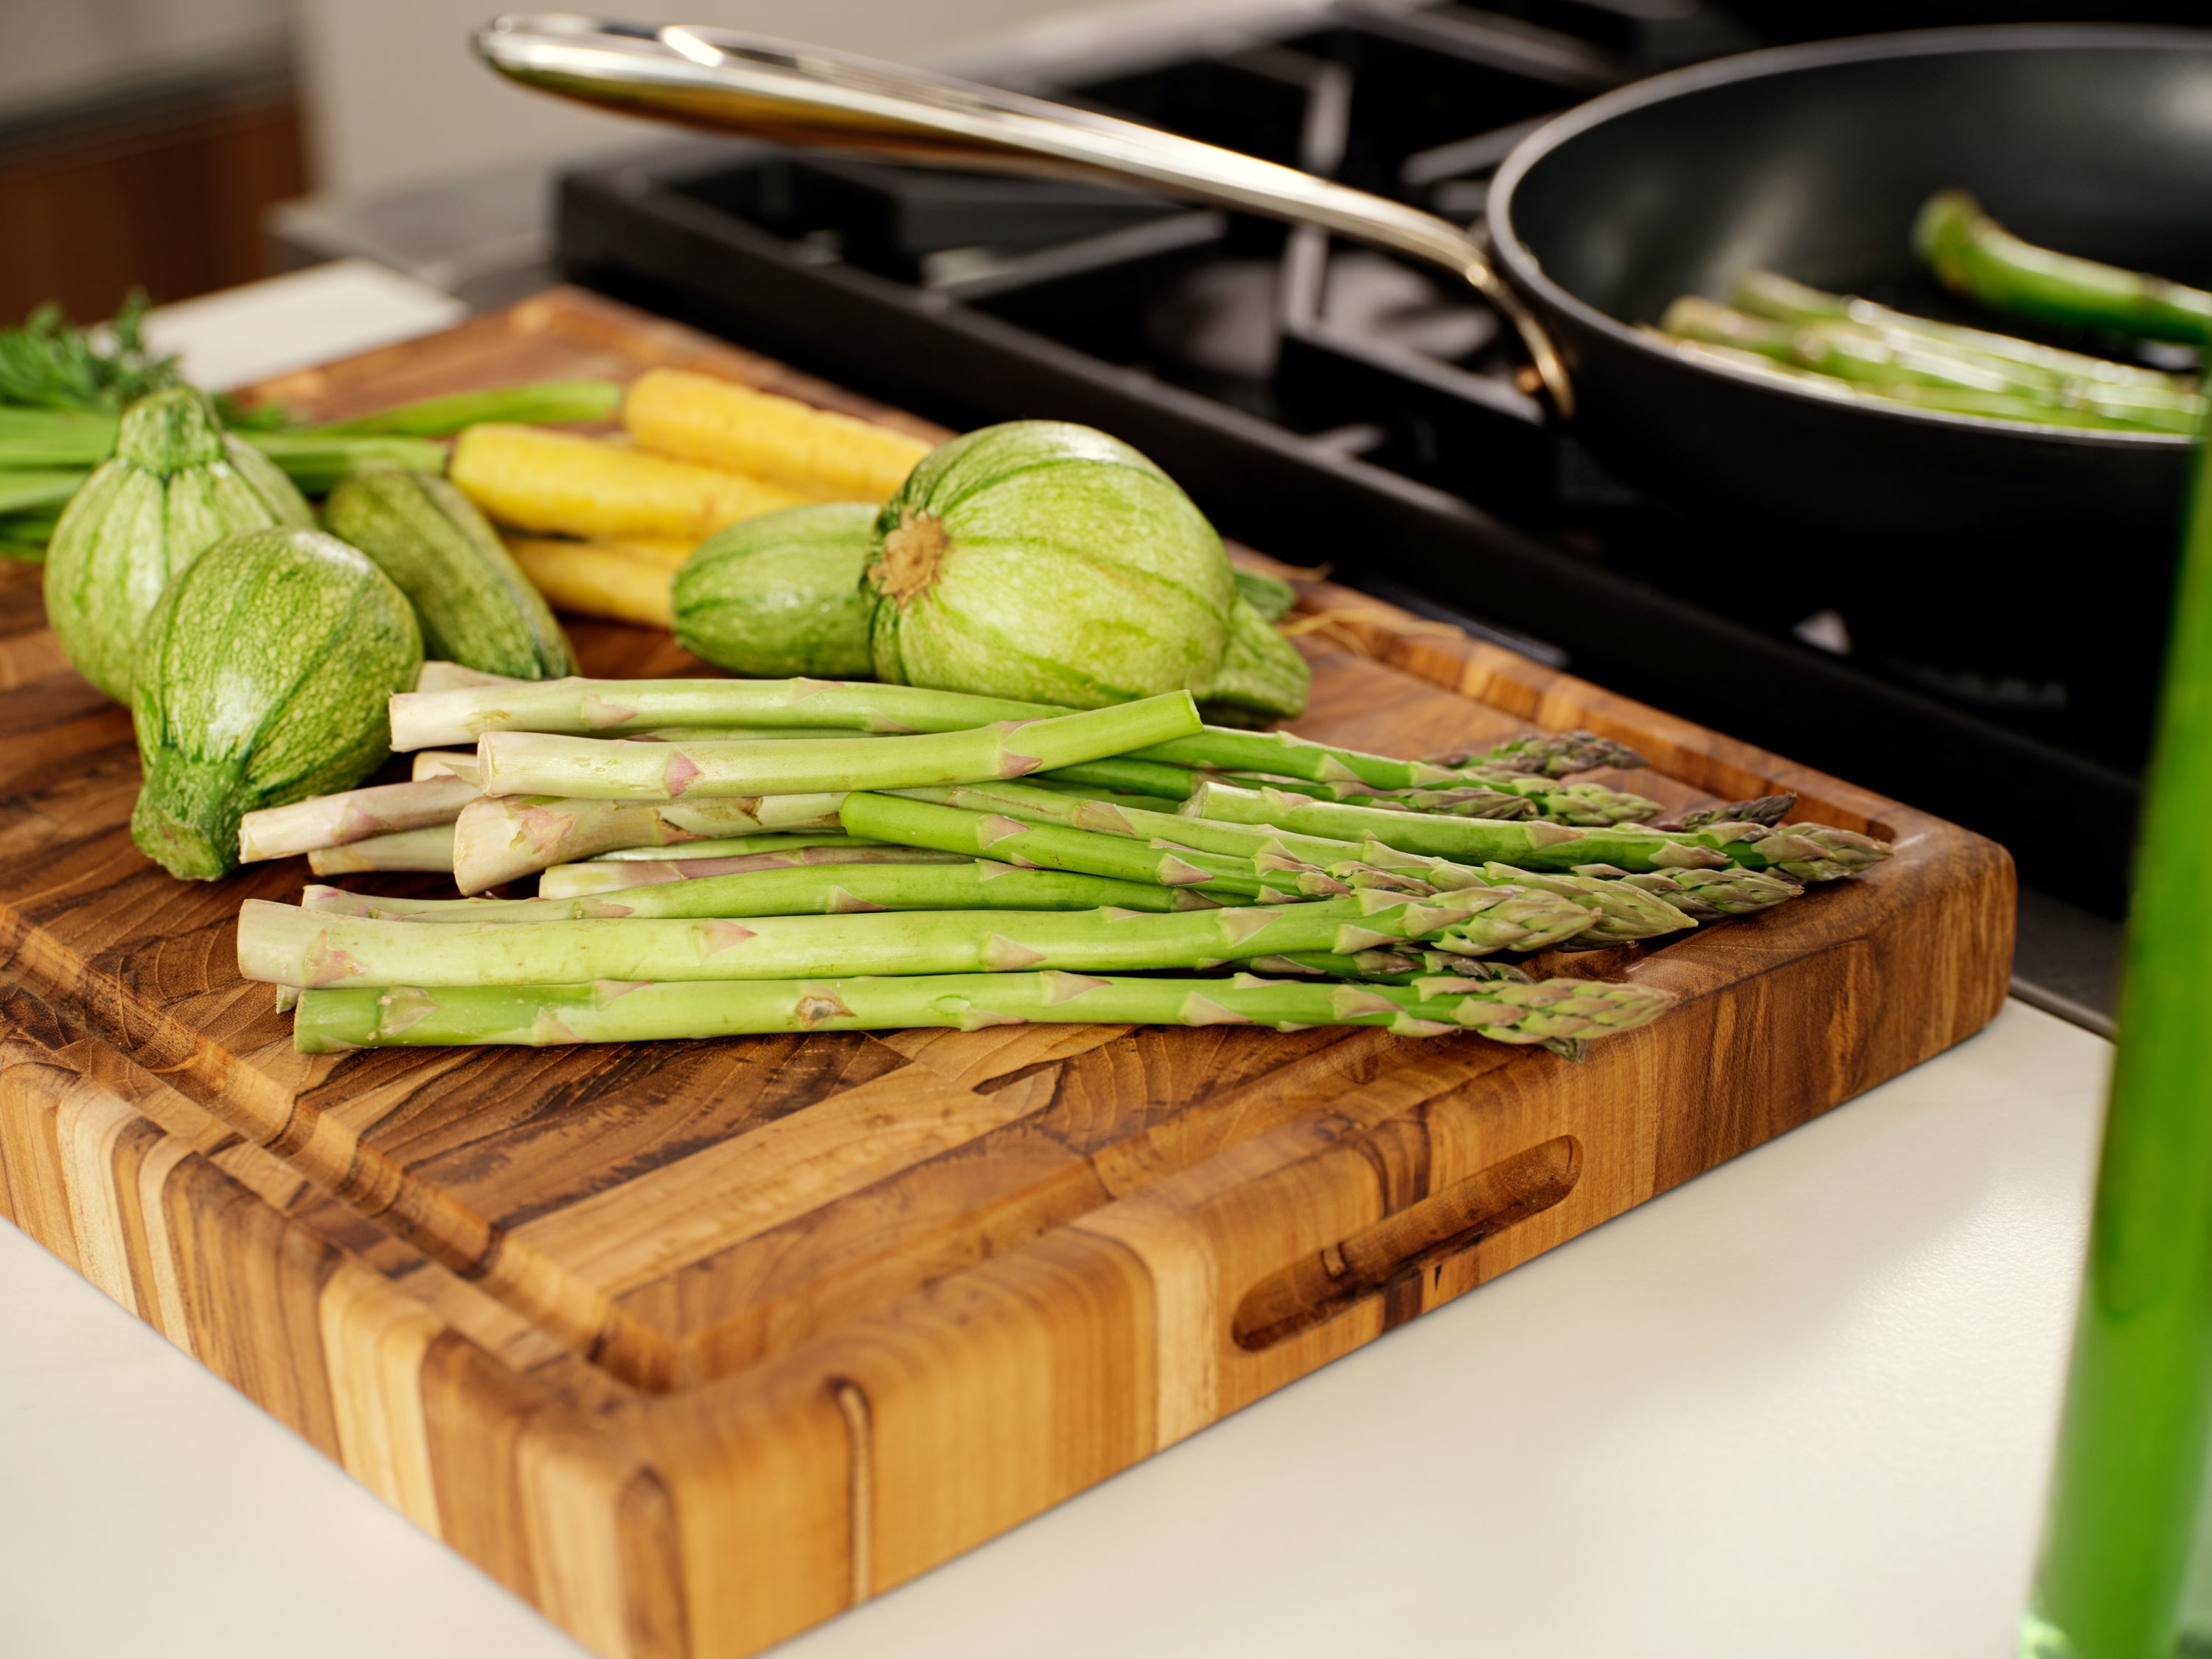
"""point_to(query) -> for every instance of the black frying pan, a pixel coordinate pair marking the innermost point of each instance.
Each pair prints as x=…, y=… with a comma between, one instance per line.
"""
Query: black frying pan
x=1811, y=159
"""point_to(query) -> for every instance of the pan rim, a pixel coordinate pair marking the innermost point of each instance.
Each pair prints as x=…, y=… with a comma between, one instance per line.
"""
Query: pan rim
x=1527, y=274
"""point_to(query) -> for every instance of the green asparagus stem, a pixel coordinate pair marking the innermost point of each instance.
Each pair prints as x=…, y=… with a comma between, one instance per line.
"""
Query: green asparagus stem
x=584, y=708
x=1285, y=755
x=29, y=489
x=1847, y=356
x=1501, y=796
x=1555, y=757
x=1763, y=293
x=534, y=763
x=284, y=944
x=748, y=733
x=1474, y=801
x=1055, y=846
x=1803, y=852
x=428, y=849
x=545, y=403
x=1389, y=967
x=1609, y=916
x=1554, y=1011
x=1940, y=400
x=1848, y=353
x=730, y=847
x=503, y=838
x=445, y=763
x=1974, y=255
x=615, y=875
x=322, y=821
x=319, y=462
x=796, y=890
x=1124, y=776
x=1401, y=964
x=1032, y=804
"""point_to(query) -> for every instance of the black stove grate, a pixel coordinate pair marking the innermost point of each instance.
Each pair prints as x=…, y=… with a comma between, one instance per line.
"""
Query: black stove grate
x=1335, y=407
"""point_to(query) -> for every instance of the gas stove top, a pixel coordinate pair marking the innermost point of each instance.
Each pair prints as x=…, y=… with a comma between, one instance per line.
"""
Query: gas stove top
x=1336, y=406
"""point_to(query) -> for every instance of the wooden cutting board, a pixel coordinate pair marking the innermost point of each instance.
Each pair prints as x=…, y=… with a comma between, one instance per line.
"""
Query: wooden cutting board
x=695, y=1344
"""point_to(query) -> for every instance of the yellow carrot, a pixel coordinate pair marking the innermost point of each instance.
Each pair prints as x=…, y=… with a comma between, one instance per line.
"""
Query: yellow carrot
x=626, y=582
x=824, y=456
x=534, y=479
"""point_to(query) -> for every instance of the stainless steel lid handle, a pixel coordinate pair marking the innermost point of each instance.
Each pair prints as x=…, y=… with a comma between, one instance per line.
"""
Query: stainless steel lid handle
x=790, y=93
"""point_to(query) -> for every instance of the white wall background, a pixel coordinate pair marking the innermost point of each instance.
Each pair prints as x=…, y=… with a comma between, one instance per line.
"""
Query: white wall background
x=55, y=51
x=395, y=96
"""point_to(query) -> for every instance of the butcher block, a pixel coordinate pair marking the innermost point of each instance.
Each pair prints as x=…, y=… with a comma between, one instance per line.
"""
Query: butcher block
x=694, y=1345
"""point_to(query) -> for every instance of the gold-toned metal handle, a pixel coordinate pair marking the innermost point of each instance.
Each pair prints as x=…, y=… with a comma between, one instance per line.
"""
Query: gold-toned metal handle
x=790, y=93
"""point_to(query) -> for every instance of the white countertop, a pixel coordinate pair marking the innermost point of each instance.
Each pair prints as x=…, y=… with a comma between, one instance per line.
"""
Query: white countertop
x=1801, y=1404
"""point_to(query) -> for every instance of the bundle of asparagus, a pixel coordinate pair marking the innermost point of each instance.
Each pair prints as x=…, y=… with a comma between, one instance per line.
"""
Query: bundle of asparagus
x=1845, y=346
x=719, y=857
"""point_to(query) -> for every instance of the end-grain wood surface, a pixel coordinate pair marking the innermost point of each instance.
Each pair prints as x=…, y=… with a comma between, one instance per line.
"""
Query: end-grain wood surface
x=695, y=1344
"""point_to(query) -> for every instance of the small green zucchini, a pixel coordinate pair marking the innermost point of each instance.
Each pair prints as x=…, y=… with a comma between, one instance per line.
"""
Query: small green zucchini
x=476, y=606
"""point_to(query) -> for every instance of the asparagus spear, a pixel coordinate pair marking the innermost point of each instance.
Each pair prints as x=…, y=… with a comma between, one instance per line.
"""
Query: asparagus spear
x=1504, y=918
x=1434, y=971
x=284, y=944
x=752, y=733
x=1555, y=757
x=546, y=402
x=726, y=847
x=791, y=890
x=1620, y=913
x=1032, y=804
x=1055, y=846
x=1285, y=755
x=502, y=838
x=1990, y=386
x=1974, y=255
x=1762, y=809
x=1506, y=795
x=1803, y=852
x=1552, y=1012
x=445, y=763
x=1122, y=774
x=428, y=848
x=1943, y=400
x=1474, y=801
x=1612, y=917
x=612, y=874
x=534, y=762
x=430, y=720
x=1391, y=966
x=1764, y=294
x=1711, y=895
x=322, y=821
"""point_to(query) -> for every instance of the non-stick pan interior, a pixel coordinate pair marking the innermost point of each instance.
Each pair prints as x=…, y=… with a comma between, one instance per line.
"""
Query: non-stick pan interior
x=2097, y=141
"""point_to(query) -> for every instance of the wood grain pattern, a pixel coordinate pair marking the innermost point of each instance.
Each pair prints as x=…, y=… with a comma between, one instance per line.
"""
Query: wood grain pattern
x=694, y=1345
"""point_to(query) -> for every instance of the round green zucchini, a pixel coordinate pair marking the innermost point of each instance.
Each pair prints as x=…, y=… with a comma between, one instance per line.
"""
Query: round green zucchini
x=262, y=677
x=1049, y=562
x=177, y=484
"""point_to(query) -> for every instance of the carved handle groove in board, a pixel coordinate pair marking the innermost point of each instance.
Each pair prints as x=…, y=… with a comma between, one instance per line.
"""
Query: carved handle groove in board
x=1408, y=1244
